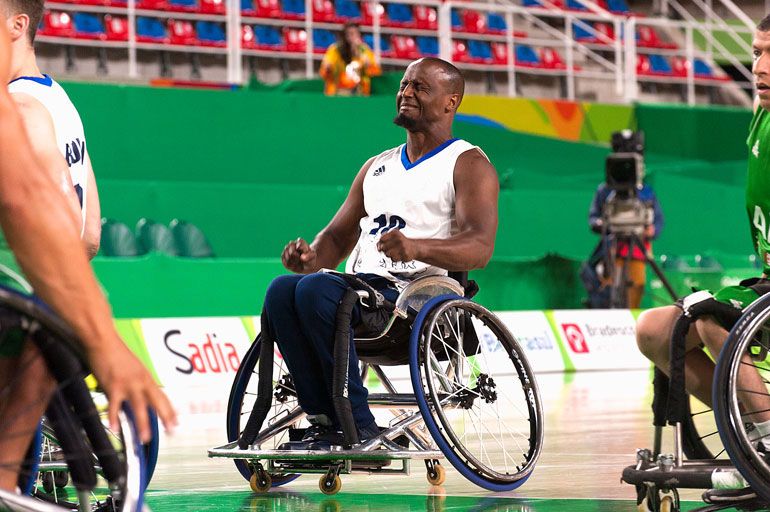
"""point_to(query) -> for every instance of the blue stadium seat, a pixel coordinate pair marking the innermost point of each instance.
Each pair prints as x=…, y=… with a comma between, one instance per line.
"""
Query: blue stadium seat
x=183, y=4
x=581, y=33
x=210, y=32
x=296, y=7
x=526, y=55
x=399, y=13
x=532, y=3
x=479, y=50
x=576, y=5
x=267, y=35
x=700, y=68
x=87, y=24
x=496, y=22
x=384, y=42
x=659, y=64
x=150, y=27
x=247, y=5
x=618, y=6
x=457, y=21
x=347, y=9
x=428, y=45
x=322, y=39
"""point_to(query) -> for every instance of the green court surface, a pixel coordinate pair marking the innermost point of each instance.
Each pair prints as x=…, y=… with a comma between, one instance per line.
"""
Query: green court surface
x=280, y=501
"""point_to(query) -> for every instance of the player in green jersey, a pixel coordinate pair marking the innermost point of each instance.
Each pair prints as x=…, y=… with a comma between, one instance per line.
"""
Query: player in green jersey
x=653, y=330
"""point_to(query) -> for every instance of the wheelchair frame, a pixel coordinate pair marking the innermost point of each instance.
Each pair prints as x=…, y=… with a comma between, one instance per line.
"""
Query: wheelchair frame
x=373, y=455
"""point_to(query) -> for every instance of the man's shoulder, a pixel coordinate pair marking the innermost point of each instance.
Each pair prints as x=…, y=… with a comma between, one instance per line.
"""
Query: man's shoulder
x=388, y=153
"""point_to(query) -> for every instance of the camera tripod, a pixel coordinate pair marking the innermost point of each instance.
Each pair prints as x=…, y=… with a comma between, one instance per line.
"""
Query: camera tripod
x=620, y=278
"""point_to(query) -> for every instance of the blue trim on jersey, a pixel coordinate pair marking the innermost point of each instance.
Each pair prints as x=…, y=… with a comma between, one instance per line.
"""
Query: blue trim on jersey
x=42, y=80
x=405, y=158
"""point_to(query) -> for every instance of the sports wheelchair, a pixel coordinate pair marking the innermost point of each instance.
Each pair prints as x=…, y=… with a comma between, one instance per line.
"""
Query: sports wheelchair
x=469, y=396
x=75, y=462
x=716, y=452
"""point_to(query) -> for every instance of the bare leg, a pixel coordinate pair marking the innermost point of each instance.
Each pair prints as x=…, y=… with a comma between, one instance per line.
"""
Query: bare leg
x=25, y=387
x=653, y=335
x=752, y=389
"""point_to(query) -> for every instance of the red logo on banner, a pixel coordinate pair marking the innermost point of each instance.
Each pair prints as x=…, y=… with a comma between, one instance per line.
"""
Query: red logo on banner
x=575, y=338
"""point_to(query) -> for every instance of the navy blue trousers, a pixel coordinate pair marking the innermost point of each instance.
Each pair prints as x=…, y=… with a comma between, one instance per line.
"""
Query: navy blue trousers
x=301, y=311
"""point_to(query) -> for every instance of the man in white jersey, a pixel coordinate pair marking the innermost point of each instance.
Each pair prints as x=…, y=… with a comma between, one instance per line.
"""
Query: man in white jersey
x=422, y=208
x=52, y=122
x=43, y=234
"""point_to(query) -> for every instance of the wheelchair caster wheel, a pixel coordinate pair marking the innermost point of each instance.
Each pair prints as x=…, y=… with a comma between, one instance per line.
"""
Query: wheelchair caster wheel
x=436, y=474
x=329, y=485
x=48, y=482
x=667, y=504
x=60, y=479
x=260, y=485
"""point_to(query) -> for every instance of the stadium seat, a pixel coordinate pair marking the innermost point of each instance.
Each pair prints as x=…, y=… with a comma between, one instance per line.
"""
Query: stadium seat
x=499, y=53
x=550, y=59
x=183, y=5
x=57, y=24
x=642, y=64
x=212, y=6
x=593, y=34
x=576, y=5
x=116, y=27
x=367, y=13
x=460, y=51
x=660, y=66
x=267, y=38
x=268, y=8
x=150, y=30
x=88, y=26
x=323, y=11
x=293, y=9
x=496, y=23
x=155, y=237
x=537, y=3
x=480, y=52
x=322, y=39
x=457, y=21
x=526, y=56
x=404, y=47
x=211, y=33
x=618, y=6
x=296, y=39
x=428, y=45
x=425, y=18
x=347, y=10
x=399, y=15
x=190, y=240
x=386, y=50
x=581, y=32
x=647, y=37
x=117, y=240
x=181, y=32
x=702, y=70
x=152, y=5
x=248, y=39
x=247, y=8
x=474, y=22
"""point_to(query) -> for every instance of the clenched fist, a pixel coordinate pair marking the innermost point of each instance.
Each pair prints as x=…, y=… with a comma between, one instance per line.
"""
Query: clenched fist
x=397, y=247
x=298, y=256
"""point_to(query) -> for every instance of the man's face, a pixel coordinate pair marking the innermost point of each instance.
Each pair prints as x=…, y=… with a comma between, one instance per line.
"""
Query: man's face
x=353, y=36
x=422, y=97
x=761, y=67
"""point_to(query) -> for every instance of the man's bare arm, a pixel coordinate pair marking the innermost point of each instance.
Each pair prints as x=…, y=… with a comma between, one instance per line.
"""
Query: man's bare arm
x=92, y=231
x=334, y=242
x=476, y=193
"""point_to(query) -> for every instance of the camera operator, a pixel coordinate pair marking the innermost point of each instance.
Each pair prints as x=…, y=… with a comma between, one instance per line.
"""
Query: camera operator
x=627, y=215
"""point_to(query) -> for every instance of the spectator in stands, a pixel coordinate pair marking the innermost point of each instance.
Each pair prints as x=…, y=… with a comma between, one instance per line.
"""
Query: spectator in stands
x=349, y=64
x=608, y=260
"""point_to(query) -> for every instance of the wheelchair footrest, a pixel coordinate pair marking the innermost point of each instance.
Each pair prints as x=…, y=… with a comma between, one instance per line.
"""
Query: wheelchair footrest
x=691, y=475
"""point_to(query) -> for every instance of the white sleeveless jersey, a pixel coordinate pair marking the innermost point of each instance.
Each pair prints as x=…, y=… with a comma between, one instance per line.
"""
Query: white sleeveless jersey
x=416, y=197
x=70, y=136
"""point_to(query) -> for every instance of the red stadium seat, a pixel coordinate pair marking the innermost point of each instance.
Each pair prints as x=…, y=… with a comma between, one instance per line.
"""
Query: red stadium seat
x=57, y=24
x=152, y=5
x=606, y=29
x=267, y=8
x=212, y=6
x=460, y=52
x=248, y=41
x=550, y=59
x=367, y=13
x=296, y=40
x=404, y=47
x=323, y=11
x=116, y=27
x=643, y=65
x=425, y=18
x=181, y=32
x=647, y=37
x=680, y=66
x=499, y=53
x=474, y=22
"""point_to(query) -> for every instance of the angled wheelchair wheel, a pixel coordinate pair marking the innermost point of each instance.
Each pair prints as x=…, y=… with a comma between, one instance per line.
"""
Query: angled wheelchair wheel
x=476, y=392
x=742, y=394
x=243, y=394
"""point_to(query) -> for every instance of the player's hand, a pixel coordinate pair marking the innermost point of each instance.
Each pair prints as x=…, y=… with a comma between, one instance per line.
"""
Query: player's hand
x=298, y=256
x=125, y=379
x=397, y=247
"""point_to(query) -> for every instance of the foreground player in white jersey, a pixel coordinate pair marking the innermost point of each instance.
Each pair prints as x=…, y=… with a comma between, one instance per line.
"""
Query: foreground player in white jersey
x=422, y=208
x=52, y=122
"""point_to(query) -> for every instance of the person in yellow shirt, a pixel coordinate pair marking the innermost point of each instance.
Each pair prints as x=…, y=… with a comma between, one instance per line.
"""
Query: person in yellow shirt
x=349, y=64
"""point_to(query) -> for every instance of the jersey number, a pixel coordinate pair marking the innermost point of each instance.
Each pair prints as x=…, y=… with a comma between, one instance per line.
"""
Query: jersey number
x=385, y=224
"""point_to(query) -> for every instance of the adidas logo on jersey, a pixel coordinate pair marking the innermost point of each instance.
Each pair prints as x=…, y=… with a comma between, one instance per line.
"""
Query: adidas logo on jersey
x=378, y=171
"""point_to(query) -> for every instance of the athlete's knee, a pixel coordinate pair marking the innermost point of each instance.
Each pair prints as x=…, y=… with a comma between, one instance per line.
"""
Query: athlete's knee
x=280, y=294
x=652, y=330
x=319, y=294
x=711, y=332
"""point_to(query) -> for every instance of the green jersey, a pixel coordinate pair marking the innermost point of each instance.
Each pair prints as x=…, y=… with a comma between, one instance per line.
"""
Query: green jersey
x=758, y=185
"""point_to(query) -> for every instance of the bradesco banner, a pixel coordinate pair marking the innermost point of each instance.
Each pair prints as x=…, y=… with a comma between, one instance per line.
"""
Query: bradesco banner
x=535, y=336
x=196, y=358
x=599, y=339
